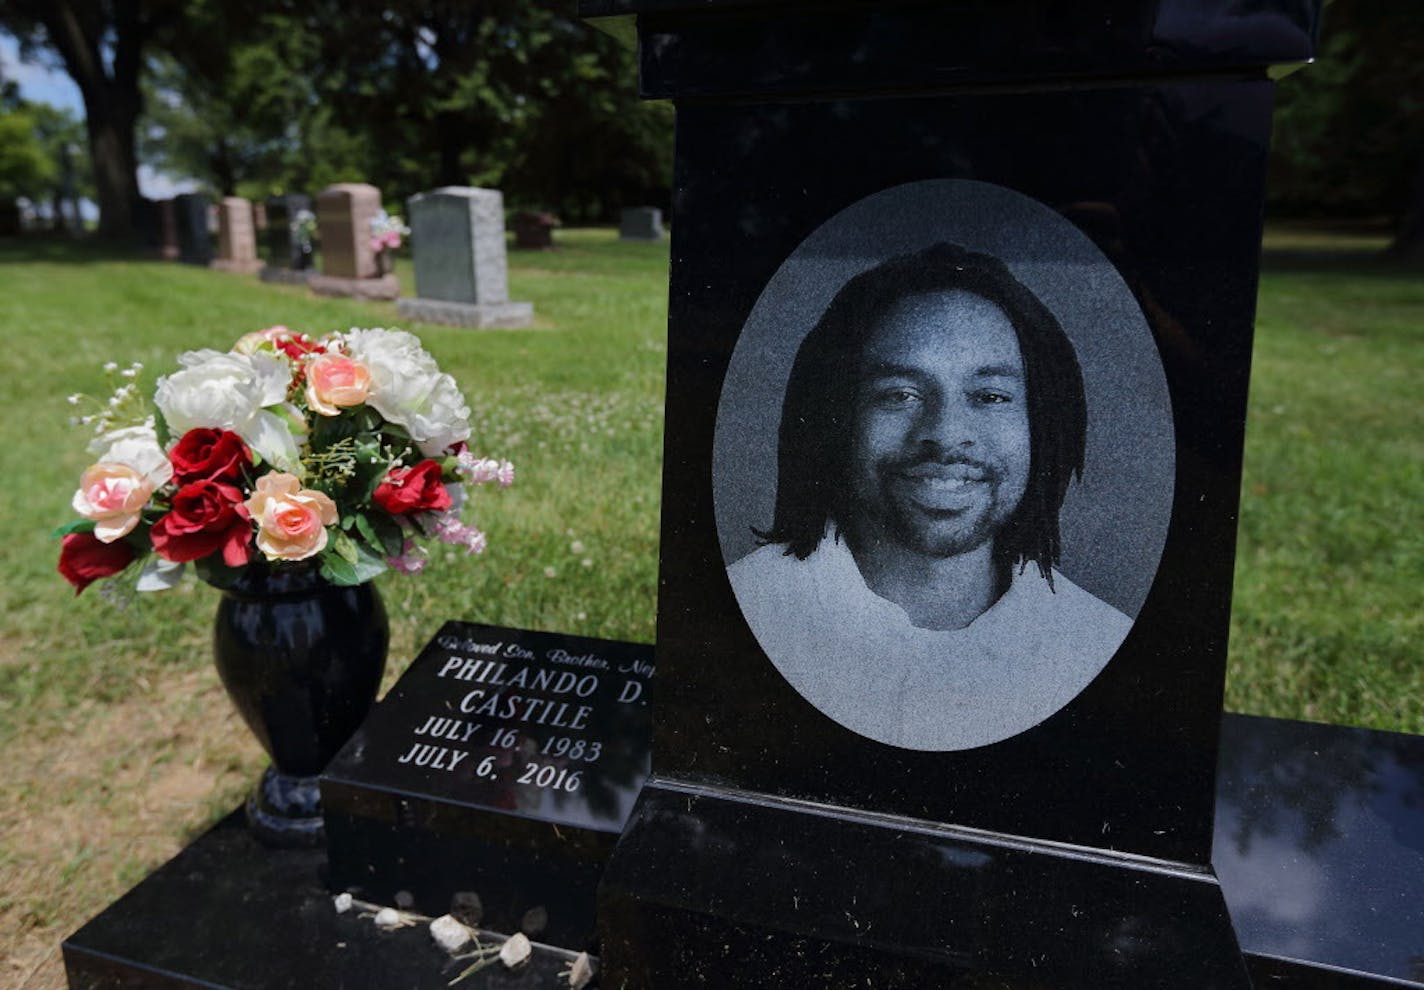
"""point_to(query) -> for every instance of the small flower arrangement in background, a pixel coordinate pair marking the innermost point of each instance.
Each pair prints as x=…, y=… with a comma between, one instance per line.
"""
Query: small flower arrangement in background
x=345, y=451
x=304, y=230
x=387, y=229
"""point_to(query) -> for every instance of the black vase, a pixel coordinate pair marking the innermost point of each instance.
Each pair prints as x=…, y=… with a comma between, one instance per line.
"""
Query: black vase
x=302, y=659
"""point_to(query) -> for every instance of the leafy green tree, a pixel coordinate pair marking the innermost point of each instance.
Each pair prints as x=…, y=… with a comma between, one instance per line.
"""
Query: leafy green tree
x=1349, y=135
x=25, y=169
x=518, y=94
x=102, y=44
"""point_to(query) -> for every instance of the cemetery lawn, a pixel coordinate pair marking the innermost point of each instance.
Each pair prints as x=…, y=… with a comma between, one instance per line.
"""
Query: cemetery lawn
x=120, y=744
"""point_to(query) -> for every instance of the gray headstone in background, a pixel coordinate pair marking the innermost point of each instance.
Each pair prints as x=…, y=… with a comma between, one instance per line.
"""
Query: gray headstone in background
x=641, y=223
x=237, y=240
x=195, y=246
x=343, y=219
x=461, y=275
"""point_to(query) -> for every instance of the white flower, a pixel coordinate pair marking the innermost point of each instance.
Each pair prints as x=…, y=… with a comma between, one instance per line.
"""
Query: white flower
x=581, y=971
x=137, y=447
x=449, y=933
x=387, y=918
x=342, y=903
x=408, y=388
x=515, y=951
x=232, y=392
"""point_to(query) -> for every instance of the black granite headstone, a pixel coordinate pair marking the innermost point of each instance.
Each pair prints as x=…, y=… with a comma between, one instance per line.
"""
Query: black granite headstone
x=195, y=241
x=503, y=763
x=284, y=247
x=960, y=311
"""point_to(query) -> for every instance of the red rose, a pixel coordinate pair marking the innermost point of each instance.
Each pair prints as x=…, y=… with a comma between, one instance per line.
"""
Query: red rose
x=414, y=489
x=209, y=455
x=84, y=559
x=206, y=516
x=296, y=346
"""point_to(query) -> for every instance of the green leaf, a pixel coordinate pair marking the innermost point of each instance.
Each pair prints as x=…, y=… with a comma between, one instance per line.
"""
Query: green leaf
x=160, y=427
x=344, y=547
x=347, y=573
x=76, y=526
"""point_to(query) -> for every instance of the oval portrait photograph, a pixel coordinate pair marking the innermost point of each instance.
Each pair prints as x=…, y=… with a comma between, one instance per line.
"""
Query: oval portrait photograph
x=943, y=465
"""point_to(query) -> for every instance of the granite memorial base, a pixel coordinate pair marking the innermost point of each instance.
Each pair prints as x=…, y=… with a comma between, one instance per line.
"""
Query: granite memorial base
x=503, y=762
x=285, y=276
x=382, y=287
x=489, y=316
x=230, y=913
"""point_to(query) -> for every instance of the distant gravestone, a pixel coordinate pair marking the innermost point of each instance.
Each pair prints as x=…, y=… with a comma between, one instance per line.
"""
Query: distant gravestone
x=461, y=278
x=195, y=245
x=641, y=223
x=237, y=240
x=288, y=256
x=259, y=216
x=348, y=261
x=146, y=224
x=167, y=229
x=534, y=231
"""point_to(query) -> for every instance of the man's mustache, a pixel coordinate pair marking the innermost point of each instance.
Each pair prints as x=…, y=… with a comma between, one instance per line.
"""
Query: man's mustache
x=949, y=464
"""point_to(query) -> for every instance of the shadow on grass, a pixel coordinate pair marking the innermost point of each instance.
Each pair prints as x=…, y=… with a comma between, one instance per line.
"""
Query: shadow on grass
x=61, y=250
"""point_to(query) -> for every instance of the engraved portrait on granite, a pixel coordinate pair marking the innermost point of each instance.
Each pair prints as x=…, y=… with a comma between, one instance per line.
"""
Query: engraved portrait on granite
x=943, y=465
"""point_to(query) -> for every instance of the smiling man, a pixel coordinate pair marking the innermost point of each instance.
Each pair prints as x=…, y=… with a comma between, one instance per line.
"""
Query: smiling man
x=907, y=586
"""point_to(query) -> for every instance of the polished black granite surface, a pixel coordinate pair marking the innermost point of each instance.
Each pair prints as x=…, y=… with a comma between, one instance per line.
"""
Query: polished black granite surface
x=700, y=48
x=862, y=900
x=1127, y=765
x=504, y=761
x=228, y=912
x=1319, y=851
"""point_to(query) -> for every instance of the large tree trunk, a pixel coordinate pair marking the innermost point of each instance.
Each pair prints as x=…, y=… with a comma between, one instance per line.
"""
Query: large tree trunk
x=111, y=149
x=79, y=31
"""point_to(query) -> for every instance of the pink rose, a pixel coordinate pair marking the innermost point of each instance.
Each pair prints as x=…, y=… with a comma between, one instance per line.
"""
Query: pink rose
x=335, y=382
x=291, y=520
x=113, y=495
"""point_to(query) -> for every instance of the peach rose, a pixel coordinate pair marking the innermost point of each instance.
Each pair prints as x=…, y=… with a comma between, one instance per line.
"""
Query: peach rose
x=113, y=495
x=291, y=521
x=335, y=382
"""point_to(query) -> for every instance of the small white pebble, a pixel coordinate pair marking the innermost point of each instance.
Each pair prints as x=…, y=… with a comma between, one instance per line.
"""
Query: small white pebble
x=387, y=918
x=516, y=951
x=580, y=972
x=342, y=903
x=448, y=933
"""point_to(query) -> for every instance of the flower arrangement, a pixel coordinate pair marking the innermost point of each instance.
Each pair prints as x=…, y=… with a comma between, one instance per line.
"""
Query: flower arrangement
x=304, y=230
x=343, y=450
x=386, y=232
